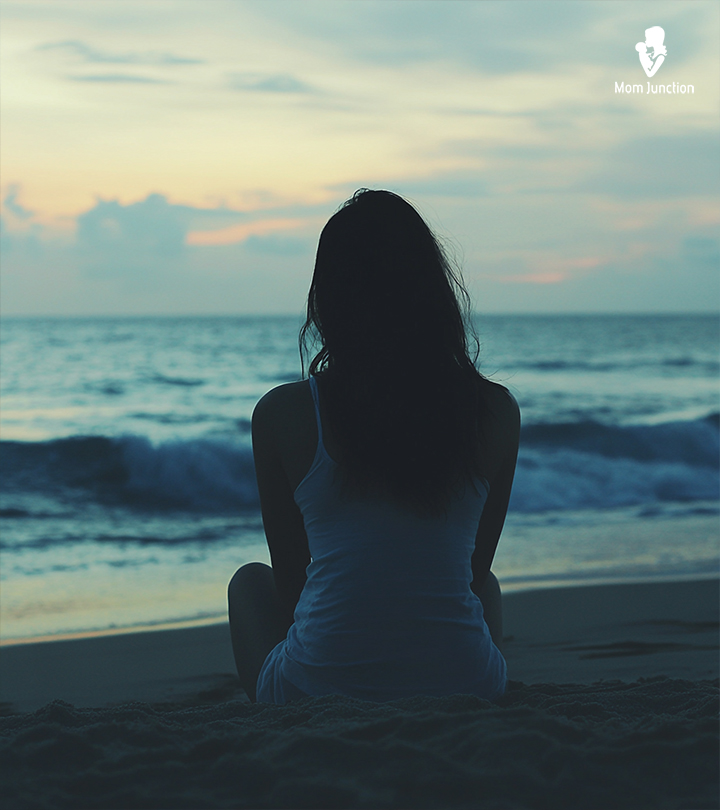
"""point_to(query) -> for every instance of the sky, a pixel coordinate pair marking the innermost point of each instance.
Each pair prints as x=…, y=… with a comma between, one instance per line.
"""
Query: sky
x=182, y=156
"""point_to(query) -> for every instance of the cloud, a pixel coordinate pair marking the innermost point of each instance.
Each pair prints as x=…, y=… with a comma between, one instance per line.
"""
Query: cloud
x=493, y=38
x=115, y=239
x=652, y=168
x=484, y=34
x=137, y=258
x=467, y=184
x=148, y=236
x=119, y=78
x=241, y=232
x=550, y=277
x=702, y=253
x=11, y=204
x=679, y=276
x=89, y=54
x=658, y=167
x=279, y=245
x=156, y=239
x=277, y=83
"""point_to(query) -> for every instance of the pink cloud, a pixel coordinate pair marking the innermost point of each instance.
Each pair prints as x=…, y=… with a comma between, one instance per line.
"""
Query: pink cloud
x=553, y=269
x=239, y=233
x=552, y=277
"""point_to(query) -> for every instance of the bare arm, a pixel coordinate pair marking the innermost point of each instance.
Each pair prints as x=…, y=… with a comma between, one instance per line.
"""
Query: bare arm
x=504, y=449
x=281, y=516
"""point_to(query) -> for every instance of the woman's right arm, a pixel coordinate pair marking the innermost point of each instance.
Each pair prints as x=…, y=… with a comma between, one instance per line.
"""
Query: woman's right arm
x=282, y=519
x=503, y=441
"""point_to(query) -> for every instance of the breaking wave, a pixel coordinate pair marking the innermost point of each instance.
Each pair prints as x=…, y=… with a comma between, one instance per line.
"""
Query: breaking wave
x=561, y=466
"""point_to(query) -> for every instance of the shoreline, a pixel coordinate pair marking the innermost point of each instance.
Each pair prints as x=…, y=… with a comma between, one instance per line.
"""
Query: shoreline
x=508, y=588
x=551, y=635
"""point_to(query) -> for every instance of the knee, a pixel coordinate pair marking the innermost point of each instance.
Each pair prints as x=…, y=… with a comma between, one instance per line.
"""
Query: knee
x=247, y=575
x=491, y=583
x=490, y=591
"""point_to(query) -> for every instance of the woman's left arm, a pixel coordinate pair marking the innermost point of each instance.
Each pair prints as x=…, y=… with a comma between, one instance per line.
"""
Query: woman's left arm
x=282, y=519
x=505, y=438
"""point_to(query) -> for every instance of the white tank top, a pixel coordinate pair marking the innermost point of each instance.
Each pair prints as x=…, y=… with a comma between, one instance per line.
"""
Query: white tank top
x=387, y=610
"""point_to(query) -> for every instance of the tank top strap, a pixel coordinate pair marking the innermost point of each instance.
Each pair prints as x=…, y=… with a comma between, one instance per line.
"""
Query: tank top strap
x=316, y=402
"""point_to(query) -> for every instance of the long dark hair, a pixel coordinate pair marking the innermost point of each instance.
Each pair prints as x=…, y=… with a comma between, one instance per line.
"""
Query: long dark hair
x=391, y=316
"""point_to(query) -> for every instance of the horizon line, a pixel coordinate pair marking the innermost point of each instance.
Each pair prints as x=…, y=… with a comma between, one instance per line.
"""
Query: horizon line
x=474, y=313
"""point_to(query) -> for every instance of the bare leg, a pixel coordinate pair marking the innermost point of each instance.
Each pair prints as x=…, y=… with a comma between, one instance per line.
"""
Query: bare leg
x=256, y=623
x=492, y=607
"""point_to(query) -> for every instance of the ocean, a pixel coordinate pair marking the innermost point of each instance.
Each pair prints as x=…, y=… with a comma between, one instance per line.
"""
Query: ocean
x=128, y=494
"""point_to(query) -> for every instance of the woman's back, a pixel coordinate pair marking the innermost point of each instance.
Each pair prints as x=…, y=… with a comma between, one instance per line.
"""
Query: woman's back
x=387, y=609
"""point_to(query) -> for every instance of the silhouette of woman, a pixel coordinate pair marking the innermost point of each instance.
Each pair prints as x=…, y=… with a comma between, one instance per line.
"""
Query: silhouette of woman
x=654, y=39
x=384, y=481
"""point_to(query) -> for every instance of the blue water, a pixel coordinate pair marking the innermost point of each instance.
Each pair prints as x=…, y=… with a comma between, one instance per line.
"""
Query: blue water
x=128, y=491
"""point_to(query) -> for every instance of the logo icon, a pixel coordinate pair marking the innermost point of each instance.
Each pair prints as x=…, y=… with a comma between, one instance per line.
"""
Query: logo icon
x=652, y=52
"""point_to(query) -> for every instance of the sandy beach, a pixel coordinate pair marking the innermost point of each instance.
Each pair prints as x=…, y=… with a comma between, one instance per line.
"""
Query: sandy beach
x=612, y=703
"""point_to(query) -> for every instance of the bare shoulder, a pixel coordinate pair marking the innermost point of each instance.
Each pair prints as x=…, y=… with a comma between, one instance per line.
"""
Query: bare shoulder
x=281, y=410
x=281, y=399
x=284, y=428
x=500, y=420
x=502, y=406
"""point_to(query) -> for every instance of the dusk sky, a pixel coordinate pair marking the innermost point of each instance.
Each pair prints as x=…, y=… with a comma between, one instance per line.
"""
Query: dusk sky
x=182, y=156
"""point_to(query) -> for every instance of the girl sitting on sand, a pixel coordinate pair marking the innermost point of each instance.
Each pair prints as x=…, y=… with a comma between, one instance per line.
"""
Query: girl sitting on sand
x=384, y=481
